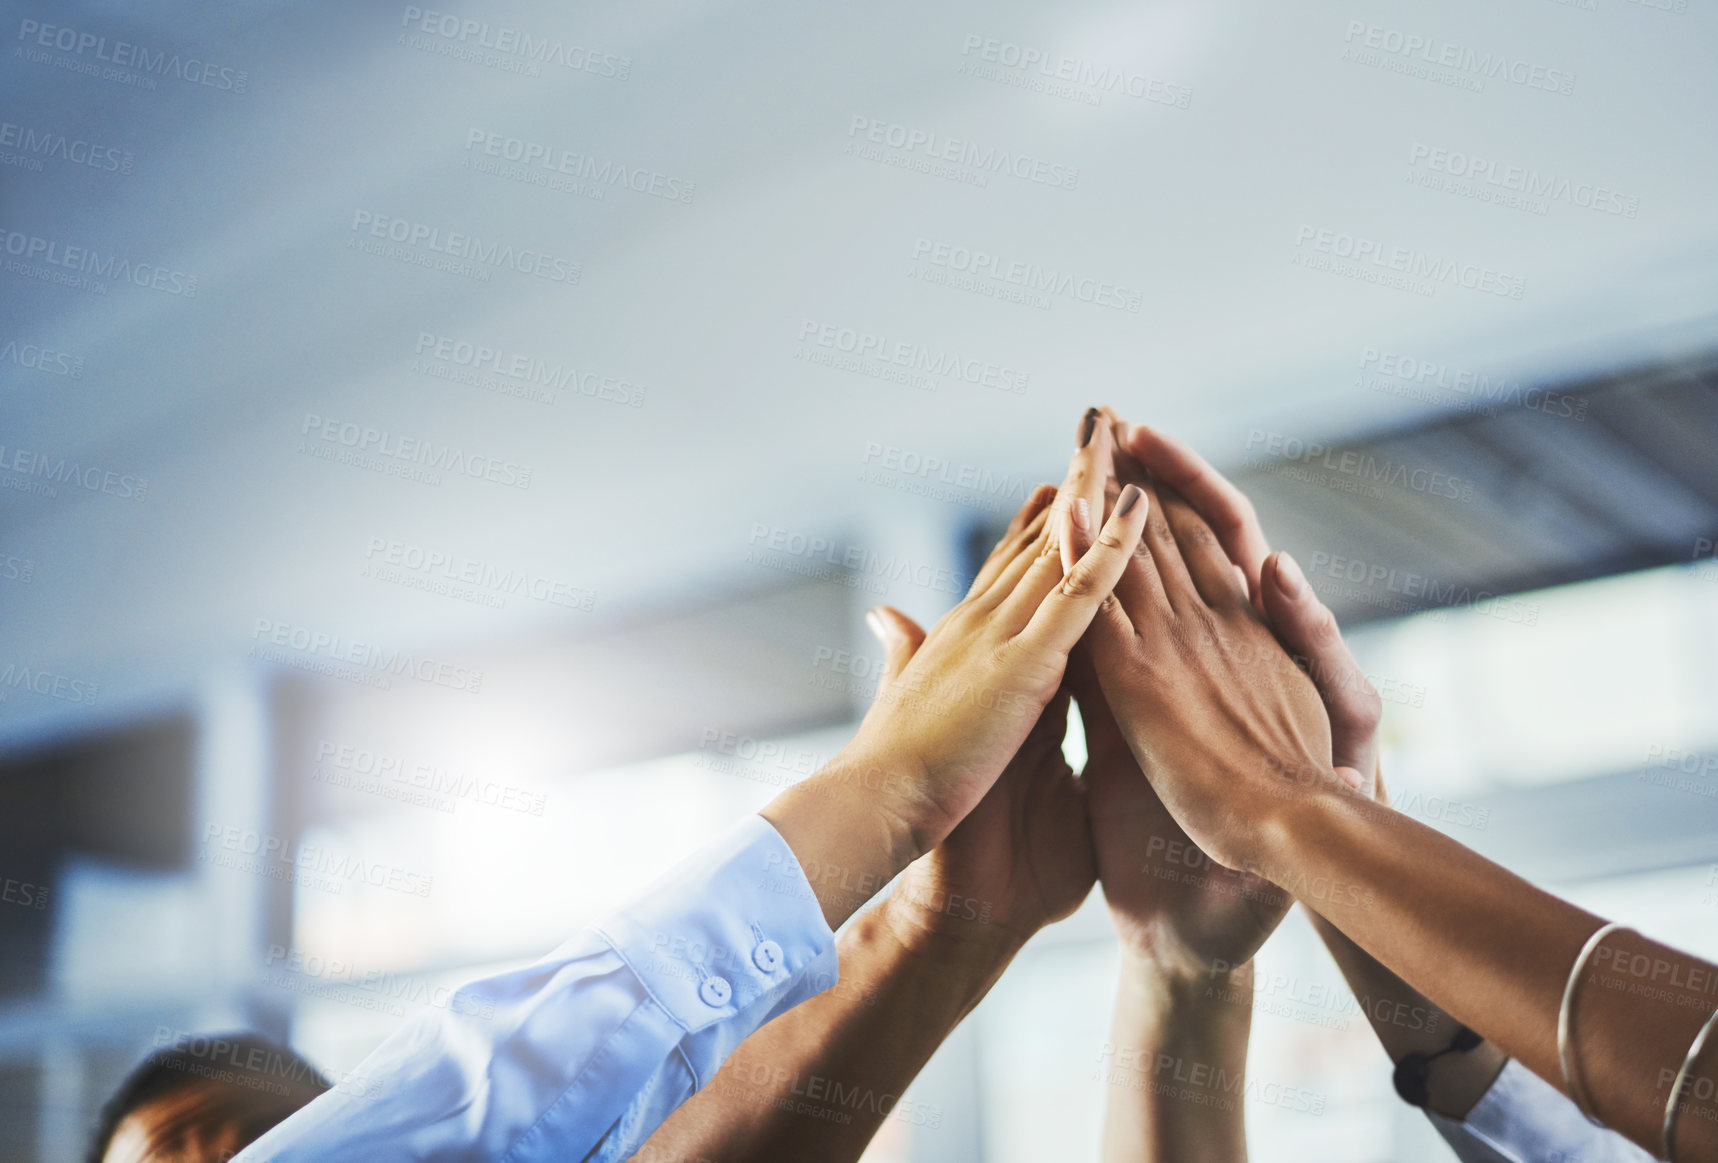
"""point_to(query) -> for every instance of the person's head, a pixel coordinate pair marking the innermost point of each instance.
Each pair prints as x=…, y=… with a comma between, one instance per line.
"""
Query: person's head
x=202, y=1100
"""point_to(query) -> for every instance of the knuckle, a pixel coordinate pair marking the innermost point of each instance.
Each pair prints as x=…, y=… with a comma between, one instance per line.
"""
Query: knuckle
x=1323, y=629
x=1080, y=583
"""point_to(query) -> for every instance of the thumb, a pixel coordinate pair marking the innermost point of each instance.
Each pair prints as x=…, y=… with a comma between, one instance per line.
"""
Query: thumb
x=1310, y=633
x=901, y=638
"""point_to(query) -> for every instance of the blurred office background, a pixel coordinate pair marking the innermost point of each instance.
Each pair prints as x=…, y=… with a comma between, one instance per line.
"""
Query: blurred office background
x=447, y=457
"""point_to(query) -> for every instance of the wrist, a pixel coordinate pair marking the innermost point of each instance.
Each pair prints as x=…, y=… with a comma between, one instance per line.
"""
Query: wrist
x=1180, y=977
x=846, y=831
x=1287, y=824
x=893, y=787
x=927, y=923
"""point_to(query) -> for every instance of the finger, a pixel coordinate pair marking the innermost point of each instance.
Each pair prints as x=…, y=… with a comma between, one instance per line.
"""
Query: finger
x=1015, y=610
x=1114, y=636
x=1069, y=607
x=1029, y=553
x=1009, y=546
x=901, y=638
x=1128, y=468
x=1212, y=572
x=1020, y=589
x=1140, y=589
x=1088, y=472
x=1310, y=633
x=1159, y=540
x=1035, y=504
x=1225, y=508
x=1033, y=583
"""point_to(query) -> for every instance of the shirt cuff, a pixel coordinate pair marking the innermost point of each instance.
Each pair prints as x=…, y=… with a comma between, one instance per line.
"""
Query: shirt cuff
x=729, y=939
x=1523, y=1117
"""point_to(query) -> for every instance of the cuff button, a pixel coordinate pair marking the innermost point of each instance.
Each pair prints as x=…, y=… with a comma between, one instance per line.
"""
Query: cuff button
x=715, y=991
x=767, y=956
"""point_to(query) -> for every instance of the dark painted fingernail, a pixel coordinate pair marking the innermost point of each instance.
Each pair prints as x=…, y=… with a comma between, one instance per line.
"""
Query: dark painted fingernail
x=1129, y=498
x=1088, y=427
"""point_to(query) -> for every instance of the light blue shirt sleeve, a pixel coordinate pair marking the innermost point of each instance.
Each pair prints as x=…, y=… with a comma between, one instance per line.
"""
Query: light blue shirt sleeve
x=1524, y=1119
x=584, y=1054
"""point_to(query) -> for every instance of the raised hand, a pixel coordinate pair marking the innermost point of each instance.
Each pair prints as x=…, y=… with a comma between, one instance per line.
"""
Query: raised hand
x=1277, y=588
x=1221, y=720
x=1019, y=860
x=1171, y=904
x=963, y=704
x=912, y=967
x=958, y=711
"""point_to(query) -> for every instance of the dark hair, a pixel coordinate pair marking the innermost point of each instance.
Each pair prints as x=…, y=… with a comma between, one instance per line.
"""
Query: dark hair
x=246, y=1082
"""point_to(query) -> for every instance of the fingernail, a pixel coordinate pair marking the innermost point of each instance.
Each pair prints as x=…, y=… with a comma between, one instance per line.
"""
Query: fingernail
x=1081, y=512
x=1351, y=777
x=1289, y=577
x=1129, y=498
x=1088, y=427
x=875, y=620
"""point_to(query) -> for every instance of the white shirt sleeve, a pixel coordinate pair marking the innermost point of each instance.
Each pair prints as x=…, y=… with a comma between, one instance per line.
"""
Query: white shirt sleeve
x=1524, y=1119
x=584, y=1054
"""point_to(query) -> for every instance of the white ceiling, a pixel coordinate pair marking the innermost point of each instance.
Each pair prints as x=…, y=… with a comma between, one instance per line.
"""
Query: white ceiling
x=1199, y=209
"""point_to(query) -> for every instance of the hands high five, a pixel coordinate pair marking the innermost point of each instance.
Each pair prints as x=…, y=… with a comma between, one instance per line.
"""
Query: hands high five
x=1232, y=768
x=1233, y=762
x=1198, y=719
x=1022, y=857
x=961, y=705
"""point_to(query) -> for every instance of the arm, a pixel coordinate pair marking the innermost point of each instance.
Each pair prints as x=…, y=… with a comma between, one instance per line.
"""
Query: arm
x=1403, y=1019
x=817, y=1082
x=1407, y=1022
x=1496, y=952
x=1175, y=1066
x=1177, y=1054
x=584, y=1054
x=1486, y=1108
x=1488, y=947
x=1188, y=929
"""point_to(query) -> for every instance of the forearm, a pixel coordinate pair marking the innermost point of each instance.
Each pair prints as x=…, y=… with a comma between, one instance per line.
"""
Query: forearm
x=853, y=826
x=1495, y=952
x=1407, y=1022
x=817, y=1082
x=1176, y=1066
